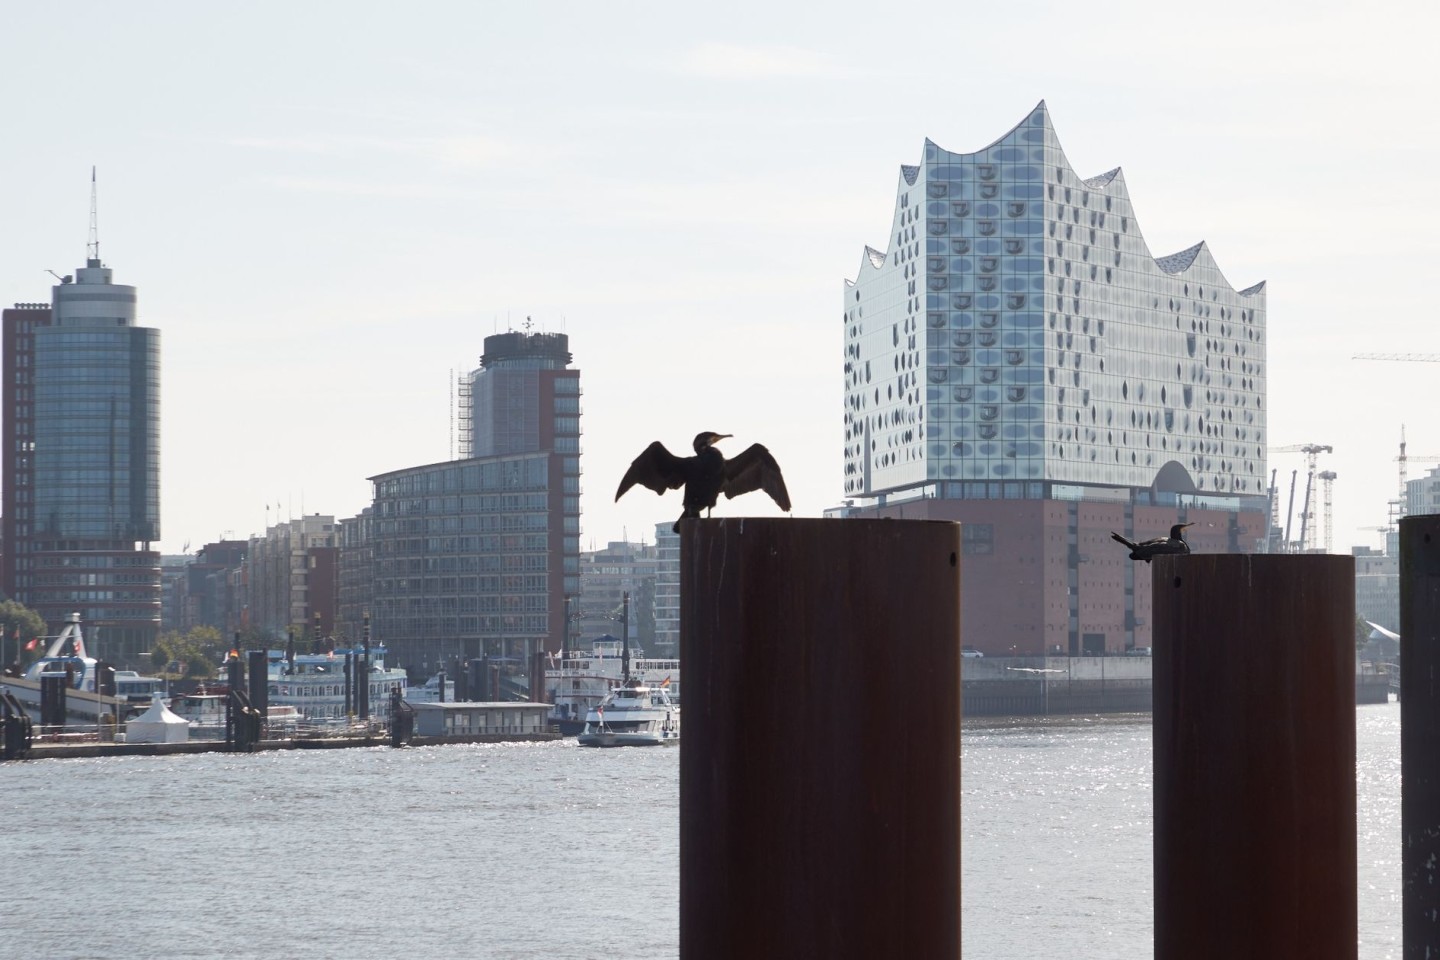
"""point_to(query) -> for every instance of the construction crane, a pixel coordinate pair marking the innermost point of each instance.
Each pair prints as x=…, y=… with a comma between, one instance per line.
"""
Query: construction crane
x=1312, y=451
x=1404, y=460
x=1272, y=529
x=1285, y=545
x=1417, y=357
x=1327, y=480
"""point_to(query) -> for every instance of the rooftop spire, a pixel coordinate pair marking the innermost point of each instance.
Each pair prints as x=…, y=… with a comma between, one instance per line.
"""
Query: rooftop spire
x=92, y=249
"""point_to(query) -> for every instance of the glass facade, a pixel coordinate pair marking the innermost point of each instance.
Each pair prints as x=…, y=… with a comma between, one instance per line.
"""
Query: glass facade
x=479, y=556
x=97, y=428
x=1018, y=334
x=464, y=558
x=82, y=432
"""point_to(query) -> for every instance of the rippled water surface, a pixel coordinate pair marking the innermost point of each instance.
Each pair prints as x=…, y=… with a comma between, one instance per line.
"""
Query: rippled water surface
x=531, y=851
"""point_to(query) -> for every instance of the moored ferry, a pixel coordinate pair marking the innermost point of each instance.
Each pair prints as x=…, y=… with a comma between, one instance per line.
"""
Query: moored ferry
x=633, y=715
x=315, y=683
x=66, y=655
x=577, y=681
x=205, y=711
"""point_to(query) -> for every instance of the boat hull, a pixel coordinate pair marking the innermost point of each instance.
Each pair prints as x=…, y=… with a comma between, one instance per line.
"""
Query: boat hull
x=626, y=740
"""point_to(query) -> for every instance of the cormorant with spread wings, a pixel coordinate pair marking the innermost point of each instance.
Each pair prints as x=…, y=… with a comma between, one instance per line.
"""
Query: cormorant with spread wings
x=707, y=474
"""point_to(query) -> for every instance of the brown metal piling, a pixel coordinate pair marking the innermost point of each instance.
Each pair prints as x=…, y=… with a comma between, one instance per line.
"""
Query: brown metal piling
x=1254, y=756
x=820, y=773
x=1420, y=735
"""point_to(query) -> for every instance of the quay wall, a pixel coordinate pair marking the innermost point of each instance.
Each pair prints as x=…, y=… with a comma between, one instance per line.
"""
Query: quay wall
x=1042, y=686
x=97, y=748
x=1039, y=686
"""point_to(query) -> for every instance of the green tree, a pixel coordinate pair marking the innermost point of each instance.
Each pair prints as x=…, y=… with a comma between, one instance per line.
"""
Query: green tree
x=191, y=654
x=21, y=625
x=254, y=638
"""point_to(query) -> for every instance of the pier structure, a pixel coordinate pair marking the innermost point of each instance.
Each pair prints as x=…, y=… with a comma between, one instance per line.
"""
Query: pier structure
x=1420, y=735
x=820, y=777
x=1254, y=769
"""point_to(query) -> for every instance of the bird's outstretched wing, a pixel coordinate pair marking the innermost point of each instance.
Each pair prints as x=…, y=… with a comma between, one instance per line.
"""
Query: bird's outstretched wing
x=1129, y=543
x=755, y=469
x=656, y=468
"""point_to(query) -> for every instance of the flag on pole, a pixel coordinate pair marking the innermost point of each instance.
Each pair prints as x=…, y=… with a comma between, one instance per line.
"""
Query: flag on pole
x=33, y=644
x=665, y=682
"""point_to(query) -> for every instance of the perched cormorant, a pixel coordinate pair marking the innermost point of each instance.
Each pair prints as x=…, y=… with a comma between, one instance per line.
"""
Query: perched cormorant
x=1145, y=549
x=707, y=474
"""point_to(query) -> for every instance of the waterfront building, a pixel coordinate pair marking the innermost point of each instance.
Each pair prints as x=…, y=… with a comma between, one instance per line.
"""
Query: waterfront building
x=1377, y=587
x=667, y=592
x=1018, y=359
x=291, y=577
x=209, y=589
x=605, y=577
x=174, y=589
x=81, y=461
x=476, y=557
x=356, y=562
x=1422, y=495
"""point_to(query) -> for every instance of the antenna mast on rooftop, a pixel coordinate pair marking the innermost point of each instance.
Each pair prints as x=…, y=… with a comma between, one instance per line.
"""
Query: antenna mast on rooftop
x=92, y=249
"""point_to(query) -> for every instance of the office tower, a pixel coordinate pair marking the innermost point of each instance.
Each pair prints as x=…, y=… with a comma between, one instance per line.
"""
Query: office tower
x=475, y=557
x=82, y=461
x=1018, y=359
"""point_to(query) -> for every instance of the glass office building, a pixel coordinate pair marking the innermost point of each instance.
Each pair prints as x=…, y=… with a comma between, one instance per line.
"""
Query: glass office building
x=1017, y=359
x=1019, y=338
x=476, y=557
x=82, y=501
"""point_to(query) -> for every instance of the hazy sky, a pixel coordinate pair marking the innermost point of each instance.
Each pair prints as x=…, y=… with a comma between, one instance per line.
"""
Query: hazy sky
x=326, y=207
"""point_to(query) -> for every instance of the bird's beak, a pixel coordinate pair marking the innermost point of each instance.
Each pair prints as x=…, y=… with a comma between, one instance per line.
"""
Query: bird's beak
x=720, y=436
x=1190, y=524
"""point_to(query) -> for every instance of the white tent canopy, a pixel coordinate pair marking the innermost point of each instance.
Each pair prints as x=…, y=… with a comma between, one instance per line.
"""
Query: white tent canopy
x=157, y=725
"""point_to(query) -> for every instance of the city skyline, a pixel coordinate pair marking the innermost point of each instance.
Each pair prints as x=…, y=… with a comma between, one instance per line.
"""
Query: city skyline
x=326, y=248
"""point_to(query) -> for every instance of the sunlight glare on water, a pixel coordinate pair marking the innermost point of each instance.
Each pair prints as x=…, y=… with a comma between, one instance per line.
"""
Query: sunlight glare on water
x=529, y=851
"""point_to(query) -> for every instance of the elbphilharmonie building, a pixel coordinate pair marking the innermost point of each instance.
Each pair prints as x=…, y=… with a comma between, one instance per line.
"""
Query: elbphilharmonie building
x=1016, y=350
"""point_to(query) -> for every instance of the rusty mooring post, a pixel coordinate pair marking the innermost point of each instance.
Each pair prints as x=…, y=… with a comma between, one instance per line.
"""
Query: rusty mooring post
x=1420, y=735
x=1254, y=753
x=820, y=776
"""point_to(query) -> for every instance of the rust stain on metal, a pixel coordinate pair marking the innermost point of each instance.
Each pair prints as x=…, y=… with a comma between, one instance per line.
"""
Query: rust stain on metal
x=1254, y=753
x=820, y=772
x=1420, y=735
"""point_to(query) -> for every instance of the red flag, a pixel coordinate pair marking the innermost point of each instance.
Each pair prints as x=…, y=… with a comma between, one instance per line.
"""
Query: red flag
x=32, y=644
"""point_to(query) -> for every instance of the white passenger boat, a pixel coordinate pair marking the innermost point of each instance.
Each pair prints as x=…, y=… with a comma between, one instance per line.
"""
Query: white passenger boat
x=577, y=681
x=84, y=704
x=83, y=667
x=430, y=691
x=205, y=711
x=314, y=684
x=132, y=687
x=634, y=714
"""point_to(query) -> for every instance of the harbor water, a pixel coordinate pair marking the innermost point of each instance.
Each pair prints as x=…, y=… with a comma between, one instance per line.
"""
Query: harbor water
x=550, y=851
